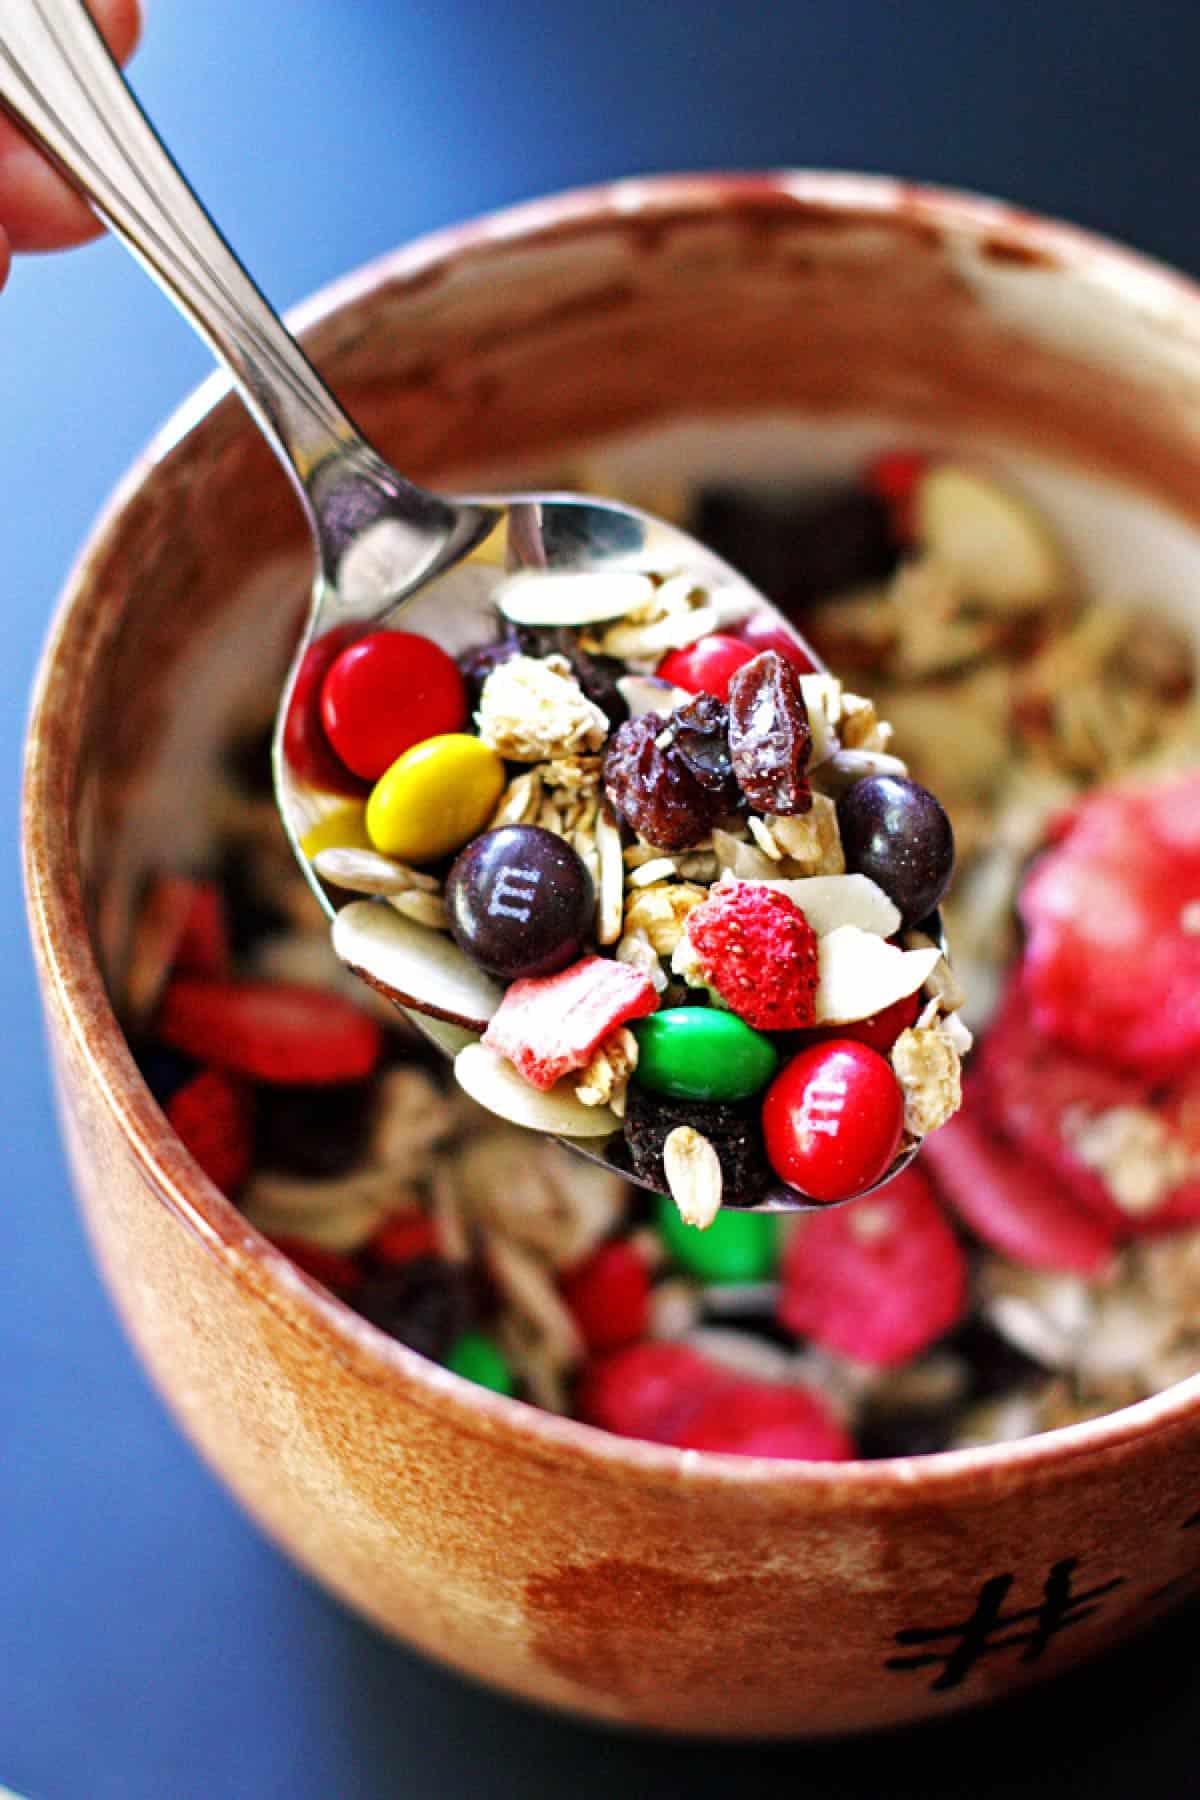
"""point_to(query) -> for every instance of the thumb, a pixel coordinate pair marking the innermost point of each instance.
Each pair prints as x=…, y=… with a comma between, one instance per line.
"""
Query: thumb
x=38, y=209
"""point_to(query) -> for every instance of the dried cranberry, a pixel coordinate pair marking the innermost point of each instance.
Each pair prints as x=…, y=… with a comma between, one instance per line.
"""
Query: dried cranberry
x=653, y=788
x=597, y=675
x=702, y=739
x=769, y=735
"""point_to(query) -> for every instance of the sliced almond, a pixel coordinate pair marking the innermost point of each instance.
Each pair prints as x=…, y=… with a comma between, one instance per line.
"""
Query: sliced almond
x=367, y=872
x=846, y=767
x=610, y=900
x=660, y=868
x=410, y=964
x=741, y=859
x=423, y=909
x=861, y=974
x=646, y=643
x=650, y=693
x=823, y=703
x=831, y=901
x=992, y=538
x=490, y=1079
x=584, y=597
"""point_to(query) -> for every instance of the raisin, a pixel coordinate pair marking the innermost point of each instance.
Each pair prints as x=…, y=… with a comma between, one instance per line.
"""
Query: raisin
x=701, y=730
x=248, y=761
x=654, y=790
x=164, y=1071
x=315, y=1132
x=733, y=1131
x=997, y=1367
x=425, y=1304
x=769, y=735
x=879, y=1433
x=250, y=914
x=597, y=675
x=477, y=664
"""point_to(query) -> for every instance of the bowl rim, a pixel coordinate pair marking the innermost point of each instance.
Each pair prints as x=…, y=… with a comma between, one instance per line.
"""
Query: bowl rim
x=70, y=977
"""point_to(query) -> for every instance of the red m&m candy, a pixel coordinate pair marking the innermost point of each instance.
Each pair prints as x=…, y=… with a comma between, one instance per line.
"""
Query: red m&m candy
x=763, y=631
x=895, y=477
x=832, y=1120
x=879, y=1031
x=708, y=665
x=306, y=749
x=387, y=692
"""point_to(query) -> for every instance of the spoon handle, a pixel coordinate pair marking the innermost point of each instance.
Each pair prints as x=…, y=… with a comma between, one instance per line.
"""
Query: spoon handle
x=61, y=85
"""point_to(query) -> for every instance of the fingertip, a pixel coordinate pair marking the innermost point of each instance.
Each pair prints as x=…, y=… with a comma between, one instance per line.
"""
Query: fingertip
x=40, y=210
x=121, y=23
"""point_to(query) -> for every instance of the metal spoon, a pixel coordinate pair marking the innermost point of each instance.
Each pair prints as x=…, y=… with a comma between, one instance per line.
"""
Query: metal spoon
x=382, y=544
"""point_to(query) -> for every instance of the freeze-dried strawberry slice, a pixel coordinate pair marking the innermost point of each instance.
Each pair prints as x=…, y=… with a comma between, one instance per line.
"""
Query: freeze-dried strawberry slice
x=671, y=1394
x=1179, y=1109
x=271, y=1031
x=1045, y=1101
x=758, y=1418
x=609, y=1296
x=204, y=947
x=1012, y=1203
x=1112, y=964
x=759, y=952
x=550, y=1024
x=1035, y=1093
x=213, y=1114
x=879, y=1280
x=651, y=1390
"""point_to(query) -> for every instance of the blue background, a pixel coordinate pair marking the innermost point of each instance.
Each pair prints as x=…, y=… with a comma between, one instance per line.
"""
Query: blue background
x=152, y=1647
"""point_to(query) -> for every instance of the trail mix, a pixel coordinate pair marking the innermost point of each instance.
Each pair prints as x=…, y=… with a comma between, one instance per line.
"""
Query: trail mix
x=1040, y=1263
x=685, y=893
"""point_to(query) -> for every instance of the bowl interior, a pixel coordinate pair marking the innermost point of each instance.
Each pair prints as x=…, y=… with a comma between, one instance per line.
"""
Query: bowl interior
x=765, y=332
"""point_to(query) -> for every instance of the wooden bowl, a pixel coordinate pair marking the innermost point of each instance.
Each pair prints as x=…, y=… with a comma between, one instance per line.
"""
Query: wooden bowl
x=753, y=323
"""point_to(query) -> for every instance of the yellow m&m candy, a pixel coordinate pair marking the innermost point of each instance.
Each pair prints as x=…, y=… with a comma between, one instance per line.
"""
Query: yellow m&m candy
x=434, y=797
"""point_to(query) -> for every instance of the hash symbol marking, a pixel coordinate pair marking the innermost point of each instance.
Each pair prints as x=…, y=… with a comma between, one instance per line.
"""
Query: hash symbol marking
x=990, y=1628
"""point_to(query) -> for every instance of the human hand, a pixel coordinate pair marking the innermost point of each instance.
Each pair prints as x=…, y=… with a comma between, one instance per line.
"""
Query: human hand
x=38, y=210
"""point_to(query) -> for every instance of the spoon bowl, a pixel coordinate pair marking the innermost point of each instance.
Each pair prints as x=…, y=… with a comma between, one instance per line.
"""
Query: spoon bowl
x=424, y=974
x=386, y=551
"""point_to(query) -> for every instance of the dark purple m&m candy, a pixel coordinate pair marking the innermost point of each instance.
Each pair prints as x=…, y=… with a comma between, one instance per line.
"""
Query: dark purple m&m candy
x=897, y=833
x=520, y=902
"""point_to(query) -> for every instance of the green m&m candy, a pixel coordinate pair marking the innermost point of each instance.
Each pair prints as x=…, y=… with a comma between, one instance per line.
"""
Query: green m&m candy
x=702, y=1053
x=736, y=1247
x=476, y=1358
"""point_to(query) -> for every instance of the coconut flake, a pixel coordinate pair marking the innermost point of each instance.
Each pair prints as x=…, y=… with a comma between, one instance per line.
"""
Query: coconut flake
x=580, y=597
x=998, y=545
x=831, y=901
x=861, y=974
x=490, y=1079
